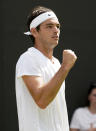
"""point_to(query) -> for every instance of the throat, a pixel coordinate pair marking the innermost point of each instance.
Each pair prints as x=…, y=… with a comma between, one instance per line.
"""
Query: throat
x=92, y=110
x=46, y=52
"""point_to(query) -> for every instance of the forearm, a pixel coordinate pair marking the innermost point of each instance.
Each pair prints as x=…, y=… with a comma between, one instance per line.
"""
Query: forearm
x=48, y=92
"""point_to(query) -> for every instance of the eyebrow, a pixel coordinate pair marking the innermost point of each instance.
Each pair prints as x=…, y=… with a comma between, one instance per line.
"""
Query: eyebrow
x=52, y=24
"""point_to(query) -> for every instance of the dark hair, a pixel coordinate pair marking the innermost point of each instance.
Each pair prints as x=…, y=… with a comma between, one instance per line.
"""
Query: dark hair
x=92, y=86
x=36, y=11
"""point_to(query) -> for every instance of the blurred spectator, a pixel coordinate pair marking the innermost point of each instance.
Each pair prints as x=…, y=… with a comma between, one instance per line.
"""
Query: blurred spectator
x=84, y=119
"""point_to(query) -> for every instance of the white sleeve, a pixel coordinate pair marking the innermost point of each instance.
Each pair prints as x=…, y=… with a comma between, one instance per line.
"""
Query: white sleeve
x=27, y=65
x=75, y=120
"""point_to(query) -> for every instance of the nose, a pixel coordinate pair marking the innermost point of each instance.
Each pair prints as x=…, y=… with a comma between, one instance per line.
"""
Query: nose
x=55, y=29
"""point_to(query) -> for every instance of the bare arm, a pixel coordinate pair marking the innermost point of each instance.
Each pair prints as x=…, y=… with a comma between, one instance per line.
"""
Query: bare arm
x=42, y=93
x=72, y=129
x=92, y=128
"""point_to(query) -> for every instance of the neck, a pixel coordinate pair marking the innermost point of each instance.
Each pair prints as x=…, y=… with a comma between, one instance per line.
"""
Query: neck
x=47, y=52
x=92, y=109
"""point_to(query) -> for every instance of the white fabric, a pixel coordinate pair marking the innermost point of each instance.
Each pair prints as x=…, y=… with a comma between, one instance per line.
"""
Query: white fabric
x=82, y=119
x=40, y=19
x=31, y=117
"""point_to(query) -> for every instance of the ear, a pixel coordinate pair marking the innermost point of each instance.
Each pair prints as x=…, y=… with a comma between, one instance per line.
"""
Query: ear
x=33, y=32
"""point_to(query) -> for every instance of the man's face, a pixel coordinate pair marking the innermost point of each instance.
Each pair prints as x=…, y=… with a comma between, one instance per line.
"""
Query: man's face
x=48, y=35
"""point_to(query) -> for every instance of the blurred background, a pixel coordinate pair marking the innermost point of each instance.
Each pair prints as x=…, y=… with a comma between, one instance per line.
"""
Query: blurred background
x=78, y=32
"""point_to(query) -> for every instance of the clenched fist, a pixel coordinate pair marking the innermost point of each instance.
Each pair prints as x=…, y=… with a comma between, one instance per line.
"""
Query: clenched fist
x=69, y=59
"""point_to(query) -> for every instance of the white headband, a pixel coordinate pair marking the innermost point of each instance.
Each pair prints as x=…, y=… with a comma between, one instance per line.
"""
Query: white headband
x=40, y=19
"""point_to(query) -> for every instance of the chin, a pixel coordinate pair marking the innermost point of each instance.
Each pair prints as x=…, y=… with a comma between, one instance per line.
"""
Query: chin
x=54, y=45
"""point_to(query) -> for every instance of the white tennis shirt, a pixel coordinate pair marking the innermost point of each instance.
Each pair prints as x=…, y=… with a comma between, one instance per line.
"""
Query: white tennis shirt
x=31, y=117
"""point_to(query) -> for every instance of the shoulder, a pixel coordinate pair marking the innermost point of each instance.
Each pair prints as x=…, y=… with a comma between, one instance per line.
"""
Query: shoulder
x=28, y=64
x=28, y=56
x=80, y=110
x=23, y=58
x=30, y=52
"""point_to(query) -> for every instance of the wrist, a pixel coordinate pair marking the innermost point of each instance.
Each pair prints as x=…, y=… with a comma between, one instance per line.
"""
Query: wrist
x=65, y=68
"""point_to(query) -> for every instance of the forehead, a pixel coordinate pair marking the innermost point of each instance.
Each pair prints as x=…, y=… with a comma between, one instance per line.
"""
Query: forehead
x=51, y=21
x=93, y=91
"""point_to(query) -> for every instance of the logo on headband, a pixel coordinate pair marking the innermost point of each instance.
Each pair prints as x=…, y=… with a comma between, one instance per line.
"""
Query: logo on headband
x=49, y=15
